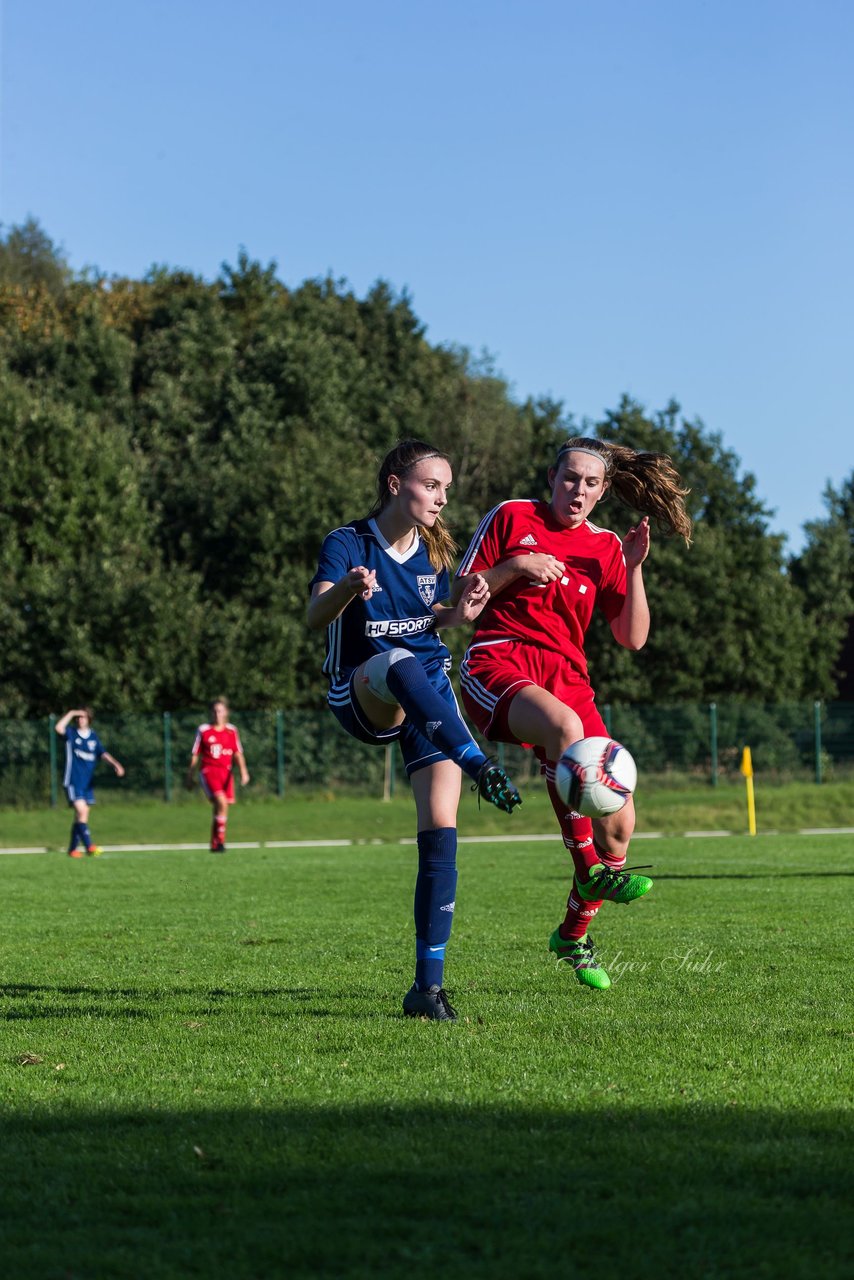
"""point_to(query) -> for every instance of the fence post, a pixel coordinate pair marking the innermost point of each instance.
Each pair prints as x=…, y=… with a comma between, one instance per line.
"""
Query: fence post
x=713, y=740
x=817, y=721
x=388, y=772
x=51, y=746
x=167, y=755
x=280, y=754
x=606, y=716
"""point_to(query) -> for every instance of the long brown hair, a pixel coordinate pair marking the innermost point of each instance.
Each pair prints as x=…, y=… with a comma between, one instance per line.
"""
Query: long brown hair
x=406, y=454
x=648, y=482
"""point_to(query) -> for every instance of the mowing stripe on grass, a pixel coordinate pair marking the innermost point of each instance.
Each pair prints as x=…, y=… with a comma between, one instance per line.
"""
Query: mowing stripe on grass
x=407, y=840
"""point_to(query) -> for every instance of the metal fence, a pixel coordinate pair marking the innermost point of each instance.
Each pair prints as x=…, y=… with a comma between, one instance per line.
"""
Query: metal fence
x=288, y=750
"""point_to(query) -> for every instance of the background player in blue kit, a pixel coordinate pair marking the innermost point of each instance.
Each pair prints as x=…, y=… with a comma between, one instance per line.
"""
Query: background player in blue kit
x=83, y=750
x=378, y=591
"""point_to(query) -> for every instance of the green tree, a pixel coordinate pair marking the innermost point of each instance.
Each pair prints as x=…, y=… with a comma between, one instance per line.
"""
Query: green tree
x=29, y=258
x=823, y=575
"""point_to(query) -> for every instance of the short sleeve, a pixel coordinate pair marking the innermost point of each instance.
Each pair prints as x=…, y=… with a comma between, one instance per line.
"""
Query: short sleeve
x=611, y=592
x=336, y=557
x=486, y=548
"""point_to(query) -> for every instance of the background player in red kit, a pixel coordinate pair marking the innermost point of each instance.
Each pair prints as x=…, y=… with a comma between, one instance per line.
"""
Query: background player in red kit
x=524, y=678
x=218, y=747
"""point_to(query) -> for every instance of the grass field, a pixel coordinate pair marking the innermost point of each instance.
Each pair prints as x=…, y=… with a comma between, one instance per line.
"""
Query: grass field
x=204, y=1071
x=669, y=807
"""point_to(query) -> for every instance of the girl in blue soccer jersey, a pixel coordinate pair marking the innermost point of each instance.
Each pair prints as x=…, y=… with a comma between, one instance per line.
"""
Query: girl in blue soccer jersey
x=83, y=750
x=378, y=591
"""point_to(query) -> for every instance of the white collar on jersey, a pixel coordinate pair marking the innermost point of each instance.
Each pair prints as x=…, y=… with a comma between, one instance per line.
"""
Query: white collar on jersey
x=400, y=556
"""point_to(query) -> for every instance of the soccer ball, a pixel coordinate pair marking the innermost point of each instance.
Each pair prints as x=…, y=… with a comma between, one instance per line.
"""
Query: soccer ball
x=596, y=776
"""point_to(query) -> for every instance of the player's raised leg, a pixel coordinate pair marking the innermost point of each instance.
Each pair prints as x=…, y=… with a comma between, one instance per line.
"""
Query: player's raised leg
x=393, y=684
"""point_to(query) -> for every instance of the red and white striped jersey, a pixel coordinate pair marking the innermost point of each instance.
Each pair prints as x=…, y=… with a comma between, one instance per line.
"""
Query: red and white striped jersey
x=217, y=745
x=555, y=616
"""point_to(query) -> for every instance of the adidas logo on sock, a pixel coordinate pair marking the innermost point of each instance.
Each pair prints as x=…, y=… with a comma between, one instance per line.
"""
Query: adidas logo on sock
x=528, y=541
x=450, y=906
x=432, y=726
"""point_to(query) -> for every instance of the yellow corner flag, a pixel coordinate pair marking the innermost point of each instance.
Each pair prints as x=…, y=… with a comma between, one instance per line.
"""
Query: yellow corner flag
x=747, y=770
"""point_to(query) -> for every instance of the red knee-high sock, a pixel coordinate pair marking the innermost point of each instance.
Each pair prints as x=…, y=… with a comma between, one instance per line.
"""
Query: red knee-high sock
x=218, y=829
x=578, y=916
x=614, y=861
x=577, y=832
x=577, y=835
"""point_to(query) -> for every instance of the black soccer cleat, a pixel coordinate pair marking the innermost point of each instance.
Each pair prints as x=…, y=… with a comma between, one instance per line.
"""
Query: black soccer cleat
x=494, y=785
x=432, y=1004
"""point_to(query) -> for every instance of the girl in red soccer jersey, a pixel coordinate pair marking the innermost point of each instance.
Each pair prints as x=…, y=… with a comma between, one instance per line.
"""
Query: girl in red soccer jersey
x=524, y=678
x=218, y=746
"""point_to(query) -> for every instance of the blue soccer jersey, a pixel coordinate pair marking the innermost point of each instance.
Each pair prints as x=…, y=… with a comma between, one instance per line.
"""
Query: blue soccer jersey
x=399, y=612
x=83, y=750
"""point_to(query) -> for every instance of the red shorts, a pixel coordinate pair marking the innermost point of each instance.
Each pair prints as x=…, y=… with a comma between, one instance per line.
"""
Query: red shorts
x=215, y=780
x=491, y=675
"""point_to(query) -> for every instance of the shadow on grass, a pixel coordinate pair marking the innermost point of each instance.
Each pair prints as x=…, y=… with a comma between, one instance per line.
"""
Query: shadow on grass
x=35, y=1002
x=363, y=1191
x=757, y=875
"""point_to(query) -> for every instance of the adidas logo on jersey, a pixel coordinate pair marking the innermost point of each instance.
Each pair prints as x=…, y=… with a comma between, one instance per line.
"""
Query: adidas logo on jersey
x=528, y=541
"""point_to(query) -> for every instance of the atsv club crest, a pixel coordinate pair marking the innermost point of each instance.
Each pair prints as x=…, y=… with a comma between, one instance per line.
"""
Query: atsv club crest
x=427, y=587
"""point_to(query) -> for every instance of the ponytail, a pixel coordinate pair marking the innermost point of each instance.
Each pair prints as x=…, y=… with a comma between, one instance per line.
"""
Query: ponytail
x=646, y=481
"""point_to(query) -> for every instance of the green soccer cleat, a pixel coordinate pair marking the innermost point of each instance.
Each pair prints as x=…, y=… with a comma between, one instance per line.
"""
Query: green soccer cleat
x=494, y=785
x=94, y=850
x=606, y=884
x=580, y=955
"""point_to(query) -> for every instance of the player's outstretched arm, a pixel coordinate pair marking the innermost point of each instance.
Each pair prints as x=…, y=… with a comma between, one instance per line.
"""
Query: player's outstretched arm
x=330, y=599
x=630, y=628
x=64, y=721
x=241, y=764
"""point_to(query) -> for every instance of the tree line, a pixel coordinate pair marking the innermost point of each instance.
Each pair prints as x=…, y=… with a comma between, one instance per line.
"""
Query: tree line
x=174, y=450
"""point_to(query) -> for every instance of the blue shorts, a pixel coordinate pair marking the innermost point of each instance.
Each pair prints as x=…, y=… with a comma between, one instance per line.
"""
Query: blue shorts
x=80, y=793
x=418, y=752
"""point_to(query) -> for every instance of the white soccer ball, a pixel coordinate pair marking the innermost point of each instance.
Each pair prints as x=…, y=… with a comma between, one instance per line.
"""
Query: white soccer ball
x=596, y=776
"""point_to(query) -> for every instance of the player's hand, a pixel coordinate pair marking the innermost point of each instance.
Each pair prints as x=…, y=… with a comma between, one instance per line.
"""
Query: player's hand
x=244, y=779
x=362, y=581
x=473, y=599
x=540, y=568
x=190, y=781
x=120, y=770
x=636, y=544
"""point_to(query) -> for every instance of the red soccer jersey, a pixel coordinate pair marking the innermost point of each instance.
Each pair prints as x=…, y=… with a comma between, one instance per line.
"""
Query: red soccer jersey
x=217, y=747
x=555, y=616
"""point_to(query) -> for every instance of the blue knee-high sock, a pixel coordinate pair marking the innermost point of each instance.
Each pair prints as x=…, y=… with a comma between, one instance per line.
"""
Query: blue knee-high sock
x=433, y=716
x=74, y=838
x=435, y=891
x=85, y=833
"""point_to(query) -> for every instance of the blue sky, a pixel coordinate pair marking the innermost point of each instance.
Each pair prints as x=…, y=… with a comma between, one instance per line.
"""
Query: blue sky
x=643, y=196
